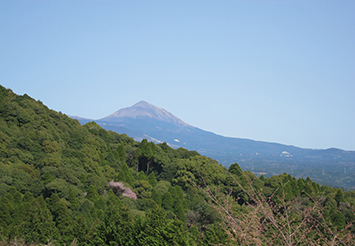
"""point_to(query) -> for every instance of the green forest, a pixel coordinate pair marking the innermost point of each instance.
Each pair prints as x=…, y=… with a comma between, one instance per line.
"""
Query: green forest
x=62, y=183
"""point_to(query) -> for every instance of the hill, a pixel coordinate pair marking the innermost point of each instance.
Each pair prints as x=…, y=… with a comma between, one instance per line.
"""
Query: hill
x=64, y=183
x=334, y=167
x=55, y=182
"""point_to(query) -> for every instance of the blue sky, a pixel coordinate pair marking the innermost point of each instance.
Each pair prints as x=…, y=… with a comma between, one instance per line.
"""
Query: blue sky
x=276, y=71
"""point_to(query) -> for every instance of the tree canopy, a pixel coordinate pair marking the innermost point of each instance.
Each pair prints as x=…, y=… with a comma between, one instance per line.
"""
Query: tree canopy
x=55, y=179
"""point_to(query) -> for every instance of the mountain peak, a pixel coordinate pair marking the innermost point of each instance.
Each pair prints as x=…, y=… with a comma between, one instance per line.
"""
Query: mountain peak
x=143, y=109
x=143, y=104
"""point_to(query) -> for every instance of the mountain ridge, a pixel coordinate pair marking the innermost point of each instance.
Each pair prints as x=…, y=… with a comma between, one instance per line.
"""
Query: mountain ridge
x=144, y=120
x=55, y=172
x=147, y=111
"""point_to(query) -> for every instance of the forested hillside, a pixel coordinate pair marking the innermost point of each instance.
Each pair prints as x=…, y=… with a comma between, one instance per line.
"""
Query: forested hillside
x=63, y=183
x=332, y=167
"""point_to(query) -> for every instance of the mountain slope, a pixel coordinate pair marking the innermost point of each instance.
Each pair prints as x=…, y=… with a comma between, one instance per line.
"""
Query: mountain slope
x=56, y=186
x=55, y=181
x=144, y=120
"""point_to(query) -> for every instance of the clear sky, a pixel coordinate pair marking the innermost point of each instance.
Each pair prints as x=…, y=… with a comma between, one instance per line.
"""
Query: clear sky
x=277, y=71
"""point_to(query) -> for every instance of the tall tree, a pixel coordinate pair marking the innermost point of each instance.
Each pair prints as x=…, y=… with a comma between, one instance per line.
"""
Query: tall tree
x=115, y=229
x=152, y=180
x=121, y=149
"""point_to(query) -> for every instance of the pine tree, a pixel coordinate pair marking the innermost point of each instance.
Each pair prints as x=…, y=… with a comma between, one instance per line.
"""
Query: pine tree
x=173, y=192
x=121, y=149
x=179, y=211
x=147, y=152
x=61, y=217
x=135, y=161
x=115, y=229
x=37, y=221
x=339, y=197
x=215, y=235
x=80, y=229
x=156, y=197
x=157, y=230
x=113, y=200
x=167, y=201
x=92, y=194
x=142, y=176
x=111, y=159
x=301, y=184
x=262, y=178
x=122, y=176
x=73, y=199
x=152, y=180
x=127, y=173
x=180, y=196
x=5, y=216
x=294, y=186
x=338, y=220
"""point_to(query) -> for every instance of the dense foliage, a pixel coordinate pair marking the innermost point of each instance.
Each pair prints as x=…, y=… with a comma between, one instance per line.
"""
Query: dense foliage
x=55, y=174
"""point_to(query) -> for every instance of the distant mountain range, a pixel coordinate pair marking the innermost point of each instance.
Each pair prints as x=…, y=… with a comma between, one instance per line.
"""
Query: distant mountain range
x=144, y=120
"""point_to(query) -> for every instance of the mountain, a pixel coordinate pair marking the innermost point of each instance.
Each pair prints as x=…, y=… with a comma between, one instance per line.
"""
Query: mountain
x=144, y=120
x=144, y=110
x=63, y=183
